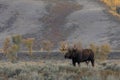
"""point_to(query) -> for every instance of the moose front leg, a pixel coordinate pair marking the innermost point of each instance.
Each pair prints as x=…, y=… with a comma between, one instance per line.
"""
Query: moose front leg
x=73, y=62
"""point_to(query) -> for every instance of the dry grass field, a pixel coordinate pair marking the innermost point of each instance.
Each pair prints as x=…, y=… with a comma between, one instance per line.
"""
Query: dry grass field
x=58, y=70
x=55, y=67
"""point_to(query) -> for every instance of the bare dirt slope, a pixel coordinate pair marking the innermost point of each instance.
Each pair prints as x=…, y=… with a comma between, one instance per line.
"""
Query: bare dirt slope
x=56, y=20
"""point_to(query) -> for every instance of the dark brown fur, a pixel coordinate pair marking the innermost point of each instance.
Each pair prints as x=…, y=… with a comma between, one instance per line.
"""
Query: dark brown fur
x=85, y=55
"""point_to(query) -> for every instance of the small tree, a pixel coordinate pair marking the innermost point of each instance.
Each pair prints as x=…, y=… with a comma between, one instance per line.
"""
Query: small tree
x=101, y=52
x=6, y=45
x=12, y=53
x=47, y=45
x=17, y=39
x=96, y=50
x=105, y=50
x=29, y=44
x=93, y=47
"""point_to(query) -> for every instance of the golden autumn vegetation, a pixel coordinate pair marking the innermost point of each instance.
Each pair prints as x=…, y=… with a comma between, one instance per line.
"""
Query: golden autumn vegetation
x=12, y=52
x=113, y=5
x=47, y=45
x=17, y=39
x=13, y=47
x=101, y=51
x=29, y=44
x=105, y=50
x=96, y=49
x=6, y=45
x=63, y=46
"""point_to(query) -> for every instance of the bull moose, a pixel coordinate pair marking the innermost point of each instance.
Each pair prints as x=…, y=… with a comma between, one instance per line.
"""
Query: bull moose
x=77, y=56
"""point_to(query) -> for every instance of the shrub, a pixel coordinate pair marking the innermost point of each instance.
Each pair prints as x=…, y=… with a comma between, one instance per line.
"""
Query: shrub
x=96, y=50
x=12, y=53
x=29, y=44
x=101, y=52
x=93, y=47
x=17, y=40
x=6, y=45
x=105, y=50
x=47, y=45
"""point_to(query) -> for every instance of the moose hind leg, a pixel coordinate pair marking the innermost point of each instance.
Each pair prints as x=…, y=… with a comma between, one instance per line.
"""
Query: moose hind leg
x=92, y=62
